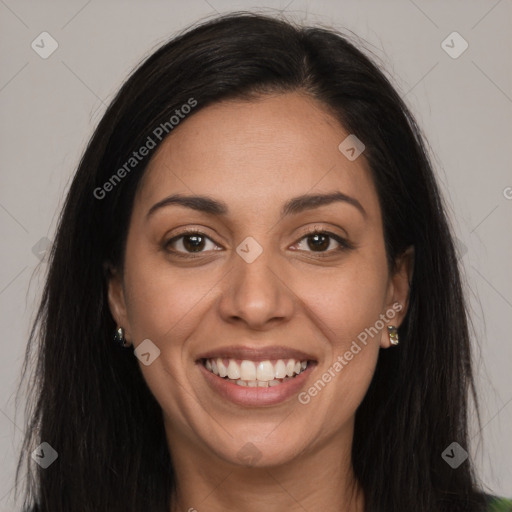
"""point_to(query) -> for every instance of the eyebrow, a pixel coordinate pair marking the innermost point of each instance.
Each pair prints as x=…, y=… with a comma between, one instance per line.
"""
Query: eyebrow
x=292, y=207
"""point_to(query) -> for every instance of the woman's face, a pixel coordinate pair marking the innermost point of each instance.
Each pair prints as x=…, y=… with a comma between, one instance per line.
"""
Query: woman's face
x=256, y=289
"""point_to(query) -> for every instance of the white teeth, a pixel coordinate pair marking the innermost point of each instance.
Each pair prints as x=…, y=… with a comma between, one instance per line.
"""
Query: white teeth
x=265, y=371
x=256, y=374
x=256, y=383
x=233, y=370
x=247, y=370
x=223, y=371
x=280, y=369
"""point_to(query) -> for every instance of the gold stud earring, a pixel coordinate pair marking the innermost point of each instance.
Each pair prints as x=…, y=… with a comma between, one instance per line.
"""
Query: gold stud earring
x=393, y=335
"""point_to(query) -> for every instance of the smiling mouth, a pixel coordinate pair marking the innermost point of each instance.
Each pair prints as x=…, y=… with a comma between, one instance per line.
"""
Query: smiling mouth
x=261, y=374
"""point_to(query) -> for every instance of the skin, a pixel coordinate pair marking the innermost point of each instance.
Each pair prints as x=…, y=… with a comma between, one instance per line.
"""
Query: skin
x=254, y=156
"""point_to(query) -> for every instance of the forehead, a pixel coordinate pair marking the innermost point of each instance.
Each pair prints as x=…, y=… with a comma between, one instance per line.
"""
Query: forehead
x=255, y=154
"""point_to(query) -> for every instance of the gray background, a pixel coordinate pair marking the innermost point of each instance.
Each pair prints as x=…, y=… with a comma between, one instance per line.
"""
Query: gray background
x=49, y=108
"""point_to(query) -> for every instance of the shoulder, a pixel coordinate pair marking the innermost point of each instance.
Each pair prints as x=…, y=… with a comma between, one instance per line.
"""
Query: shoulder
x=498, y=504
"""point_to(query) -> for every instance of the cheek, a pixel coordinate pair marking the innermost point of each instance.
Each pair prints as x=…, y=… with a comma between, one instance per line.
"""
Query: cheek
x=161, y=298
x=165, y=305
x=347, y=307
x=347, y=301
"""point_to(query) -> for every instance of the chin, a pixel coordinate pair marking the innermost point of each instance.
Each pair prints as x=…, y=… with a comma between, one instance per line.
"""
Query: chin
x=259, y=451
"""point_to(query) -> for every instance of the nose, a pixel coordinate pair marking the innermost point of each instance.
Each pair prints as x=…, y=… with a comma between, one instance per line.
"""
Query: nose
x=256, y=294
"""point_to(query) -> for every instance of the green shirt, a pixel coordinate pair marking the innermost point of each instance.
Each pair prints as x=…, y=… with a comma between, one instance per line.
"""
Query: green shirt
x=496, y=504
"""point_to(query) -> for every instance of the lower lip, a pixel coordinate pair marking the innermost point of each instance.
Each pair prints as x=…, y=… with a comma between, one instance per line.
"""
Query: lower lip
x=256, y=396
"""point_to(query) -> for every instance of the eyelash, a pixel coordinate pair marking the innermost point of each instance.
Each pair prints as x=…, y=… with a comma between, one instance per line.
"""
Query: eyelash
x=344, y=244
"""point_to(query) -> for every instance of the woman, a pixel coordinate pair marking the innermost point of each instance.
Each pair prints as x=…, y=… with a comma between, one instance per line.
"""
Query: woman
x=255, y=220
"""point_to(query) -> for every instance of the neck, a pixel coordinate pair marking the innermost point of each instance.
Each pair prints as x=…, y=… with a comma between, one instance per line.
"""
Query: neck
x=321, y=479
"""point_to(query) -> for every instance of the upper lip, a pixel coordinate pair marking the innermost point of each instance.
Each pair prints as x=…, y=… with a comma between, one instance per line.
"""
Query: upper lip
x=257, y=353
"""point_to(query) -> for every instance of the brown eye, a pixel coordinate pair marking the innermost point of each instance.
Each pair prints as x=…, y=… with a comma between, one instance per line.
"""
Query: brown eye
x=189, y=242
x=320, y=242
x=193, y=243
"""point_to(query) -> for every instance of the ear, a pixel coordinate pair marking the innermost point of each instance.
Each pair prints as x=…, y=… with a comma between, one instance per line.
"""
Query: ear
x=398, y=293
x=116, y=300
